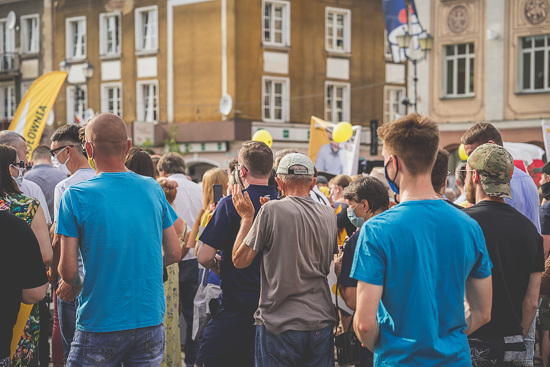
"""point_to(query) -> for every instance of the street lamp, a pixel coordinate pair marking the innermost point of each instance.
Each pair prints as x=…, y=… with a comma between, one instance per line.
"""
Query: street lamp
x=425, y=41
x=88, y=72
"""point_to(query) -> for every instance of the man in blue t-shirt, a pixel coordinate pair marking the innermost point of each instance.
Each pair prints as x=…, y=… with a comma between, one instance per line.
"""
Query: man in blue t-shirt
x=228, y=338
x=123, y=227
x=417, y=261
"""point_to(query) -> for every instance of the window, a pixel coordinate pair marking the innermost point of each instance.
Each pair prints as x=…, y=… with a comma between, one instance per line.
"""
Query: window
x=393, y=108
x=337, y=102
x=147, y=101
x=146, y=29
x=459, y=70
x=30, y=34
x=7, y=46
x=338, y=29
x=77, y=103
x=276, y=23
x=109, y=34
x=7, y=101
x=75, y=33
x=275, y=99
x=535, y=63
x=111, y=98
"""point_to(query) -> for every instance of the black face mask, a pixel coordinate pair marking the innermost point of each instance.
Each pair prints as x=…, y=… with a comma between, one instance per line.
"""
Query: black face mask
x=545, y=188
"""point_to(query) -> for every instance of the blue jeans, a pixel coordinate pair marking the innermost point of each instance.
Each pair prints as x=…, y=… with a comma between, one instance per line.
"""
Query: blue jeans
x=294, y=348
x=189, y=284
x=135, y=347
x=66, y=312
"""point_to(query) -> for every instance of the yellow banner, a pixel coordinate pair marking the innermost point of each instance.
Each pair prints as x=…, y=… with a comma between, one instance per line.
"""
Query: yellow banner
x=317, y=136
x=33, y=110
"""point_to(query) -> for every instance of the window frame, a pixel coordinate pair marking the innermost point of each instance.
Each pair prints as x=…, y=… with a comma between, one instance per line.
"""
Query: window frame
x=25, y=49
x=5, y=114
x=103, y=34
x=546, y=68
x=285, y=31
x=69, y=46
x=455, y=57
x=285, y=99
x=388, y=91
x=346, y=39
x=346, y=104
x=138, y=35
x=71, y=113
x=140, y=114
x=105, y=97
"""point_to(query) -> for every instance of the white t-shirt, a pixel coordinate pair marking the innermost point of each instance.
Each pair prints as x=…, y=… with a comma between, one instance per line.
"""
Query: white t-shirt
x=187, y=204
x=32, y=190
x=79, y=176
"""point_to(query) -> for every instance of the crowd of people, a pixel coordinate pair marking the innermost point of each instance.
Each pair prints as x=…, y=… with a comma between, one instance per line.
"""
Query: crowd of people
x=127, y=243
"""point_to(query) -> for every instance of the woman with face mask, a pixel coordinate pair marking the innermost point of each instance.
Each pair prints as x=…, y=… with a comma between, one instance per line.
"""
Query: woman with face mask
x=28, y=209
x=337, y=184
x=365, y=197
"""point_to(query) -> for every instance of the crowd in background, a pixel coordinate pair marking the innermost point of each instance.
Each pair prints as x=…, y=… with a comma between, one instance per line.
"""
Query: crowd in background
x=129, y=244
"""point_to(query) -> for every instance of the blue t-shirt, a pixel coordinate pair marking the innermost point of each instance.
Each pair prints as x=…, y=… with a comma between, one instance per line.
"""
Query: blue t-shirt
x=240, y=287
x=422, y=252
x=119, y=218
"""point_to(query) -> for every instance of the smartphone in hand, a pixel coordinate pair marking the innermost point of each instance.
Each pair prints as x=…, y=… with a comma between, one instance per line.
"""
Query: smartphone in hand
x=218, y=194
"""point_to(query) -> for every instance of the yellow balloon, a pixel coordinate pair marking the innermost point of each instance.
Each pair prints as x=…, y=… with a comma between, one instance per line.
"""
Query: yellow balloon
x=264, y=136
x=462, y=153
x=342, y=132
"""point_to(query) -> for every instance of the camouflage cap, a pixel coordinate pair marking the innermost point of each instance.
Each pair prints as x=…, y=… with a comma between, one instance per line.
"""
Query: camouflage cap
x=495, y=167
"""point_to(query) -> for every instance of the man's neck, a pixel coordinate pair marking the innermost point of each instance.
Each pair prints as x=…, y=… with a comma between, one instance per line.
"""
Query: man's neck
x=81, y=163
x=256, y=181
x=114, y=164
x=416, y=188
x=489, y=198
x=42, y=163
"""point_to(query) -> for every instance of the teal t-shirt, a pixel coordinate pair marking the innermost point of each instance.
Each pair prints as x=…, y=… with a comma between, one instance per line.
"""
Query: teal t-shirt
x=119, y=218
x=421, y=252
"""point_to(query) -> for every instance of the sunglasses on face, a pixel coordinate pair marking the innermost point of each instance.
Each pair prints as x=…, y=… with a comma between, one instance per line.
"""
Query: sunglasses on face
x=57, y=150
x=19, y=164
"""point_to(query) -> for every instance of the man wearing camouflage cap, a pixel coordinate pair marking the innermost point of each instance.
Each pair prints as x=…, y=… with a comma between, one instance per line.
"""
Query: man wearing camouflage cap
x=516, y=250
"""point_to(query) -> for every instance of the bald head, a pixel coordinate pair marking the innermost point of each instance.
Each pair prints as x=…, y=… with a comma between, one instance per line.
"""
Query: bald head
x=107, y=133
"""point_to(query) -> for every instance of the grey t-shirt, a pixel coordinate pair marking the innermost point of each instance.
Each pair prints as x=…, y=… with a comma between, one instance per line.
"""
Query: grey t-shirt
x=298, y=238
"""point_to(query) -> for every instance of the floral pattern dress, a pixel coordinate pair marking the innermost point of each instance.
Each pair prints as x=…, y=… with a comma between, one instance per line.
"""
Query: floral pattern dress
x=26, y=353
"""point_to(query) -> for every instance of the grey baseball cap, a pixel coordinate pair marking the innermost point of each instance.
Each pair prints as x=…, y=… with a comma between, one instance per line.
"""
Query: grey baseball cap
x=295, y=159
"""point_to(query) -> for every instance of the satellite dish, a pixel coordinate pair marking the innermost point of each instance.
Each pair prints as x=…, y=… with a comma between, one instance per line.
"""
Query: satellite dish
x=11, y=19
x=226, y=104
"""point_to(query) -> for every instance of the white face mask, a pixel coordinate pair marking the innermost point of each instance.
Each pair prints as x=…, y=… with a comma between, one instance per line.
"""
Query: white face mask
x=61, y=167
x=19, y=178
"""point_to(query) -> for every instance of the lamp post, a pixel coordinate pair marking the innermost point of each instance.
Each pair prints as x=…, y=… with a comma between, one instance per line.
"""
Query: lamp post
x=88, y=72
x=425, y=40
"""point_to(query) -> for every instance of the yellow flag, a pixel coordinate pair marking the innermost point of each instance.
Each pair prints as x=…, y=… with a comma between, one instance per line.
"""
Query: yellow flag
x=317, y=136
x=33, y=110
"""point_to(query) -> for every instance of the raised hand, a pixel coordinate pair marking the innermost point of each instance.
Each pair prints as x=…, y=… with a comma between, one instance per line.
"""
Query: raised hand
x=242, y=203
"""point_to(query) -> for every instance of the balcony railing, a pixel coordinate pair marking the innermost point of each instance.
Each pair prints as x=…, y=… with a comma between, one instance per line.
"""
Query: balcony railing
x=9, y=62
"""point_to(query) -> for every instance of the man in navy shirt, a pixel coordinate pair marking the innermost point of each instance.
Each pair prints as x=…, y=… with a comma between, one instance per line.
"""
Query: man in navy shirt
x=228, y=338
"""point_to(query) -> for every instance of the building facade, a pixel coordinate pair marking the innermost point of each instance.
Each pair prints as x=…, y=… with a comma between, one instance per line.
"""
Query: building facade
x=490, y=62
x=165, y=66
x=25, y=50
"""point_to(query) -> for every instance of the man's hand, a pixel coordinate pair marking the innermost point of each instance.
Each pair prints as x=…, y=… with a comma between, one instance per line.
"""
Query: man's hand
x=264, y=199
x=67, y=292
x=338, y=264
x=216, y=268
x=242, y=203
x=52, y=277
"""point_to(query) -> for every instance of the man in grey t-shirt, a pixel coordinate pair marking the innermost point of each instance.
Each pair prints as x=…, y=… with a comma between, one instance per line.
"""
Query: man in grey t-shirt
x=297, y=238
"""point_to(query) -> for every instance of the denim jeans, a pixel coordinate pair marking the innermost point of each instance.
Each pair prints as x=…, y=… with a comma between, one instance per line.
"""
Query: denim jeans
x=66, y=312
x=135, y=347
x=294, y=348
x=189, y=284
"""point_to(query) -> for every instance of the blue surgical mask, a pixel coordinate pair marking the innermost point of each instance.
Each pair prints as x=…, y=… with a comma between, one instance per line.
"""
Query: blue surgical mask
x=392, y=184
x=353, y=218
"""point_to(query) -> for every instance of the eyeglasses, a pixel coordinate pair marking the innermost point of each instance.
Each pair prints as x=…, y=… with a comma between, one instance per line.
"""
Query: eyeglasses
x=19, y=164
x=238, y=165
x=53, y=151
x=464, y=171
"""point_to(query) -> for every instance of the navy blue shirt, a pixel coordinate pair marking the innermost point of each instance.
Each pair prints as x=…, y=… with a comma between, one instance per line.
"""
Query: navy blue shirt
x=240, y=287
x=347, y=261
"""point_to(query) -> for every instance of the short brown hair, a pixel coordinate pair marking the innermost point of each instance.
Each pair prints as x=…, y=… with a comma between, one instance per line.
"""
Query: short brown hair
x=171, y=163
x=41, y=152
x=371, y=190
x=257, y=157
x=341, y=180
x=481, y=133
x=415, y=139
x=139, y=161
x=440, y=169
